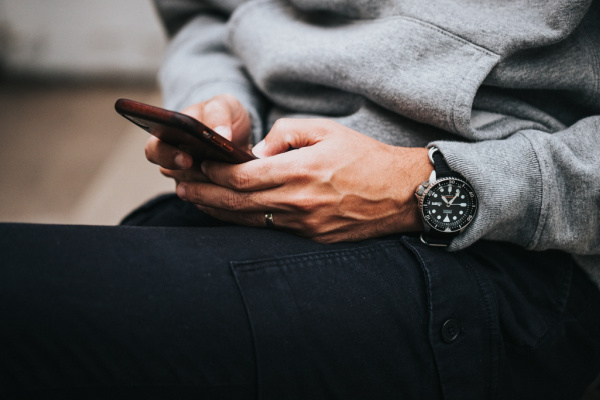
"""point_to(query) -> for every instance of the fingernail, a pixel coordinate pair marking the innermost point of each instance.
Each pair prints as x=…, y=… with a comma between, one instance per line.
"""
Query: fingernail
x=181, y=190
x=258, y=149
x=224, y=131
x=203, y=168
x=180, y=161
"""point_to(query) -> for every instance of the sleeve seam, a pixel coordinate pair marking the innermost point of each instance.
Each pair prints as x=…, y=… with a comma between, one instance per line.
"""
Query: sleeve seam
x=542, y=216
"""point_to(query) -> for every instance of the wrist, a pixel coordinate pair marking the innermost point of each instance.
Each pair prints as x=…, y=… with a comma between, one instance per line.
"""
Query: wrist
x=412, y=167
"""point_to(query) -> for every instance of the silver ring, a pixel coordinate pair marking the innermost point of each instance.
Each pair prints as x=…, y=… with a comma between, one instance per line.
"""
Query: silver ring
x=269, y=220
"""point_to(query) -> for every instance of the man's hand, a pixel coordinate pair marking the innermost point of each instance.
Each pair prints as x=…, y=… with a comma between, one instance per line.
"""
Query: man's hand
x=337, y=185
x=224, y=114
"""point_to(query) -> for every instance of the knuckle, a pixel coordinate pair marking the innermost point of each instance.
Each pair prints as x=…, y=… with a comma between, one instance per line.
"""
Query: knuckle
x=232, y=201
x=193, y=194
x=240, y=180
x=304, y=203
x=301, y=172
x=282, y=124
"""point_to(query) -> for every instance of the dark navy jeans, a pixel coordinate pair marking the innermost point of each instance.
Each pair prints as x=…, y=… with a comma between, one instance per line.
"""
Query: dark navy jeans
x=178, y=306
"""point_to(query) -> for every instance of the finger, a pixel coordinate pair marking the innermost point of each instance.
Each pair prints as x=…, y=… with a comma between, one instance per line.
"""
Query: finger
x=223, y=113
x=187, y=175
x=251, y=176
x=290, y=133
x=167, y=156
x=217, y=115
x=211, y=195
x=281, y=221
x=240, y=118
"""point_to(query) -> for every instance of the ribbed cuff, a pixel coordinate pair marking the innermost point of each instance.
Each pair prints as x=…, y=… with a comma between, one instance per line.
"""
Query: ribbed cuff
x=507, y=179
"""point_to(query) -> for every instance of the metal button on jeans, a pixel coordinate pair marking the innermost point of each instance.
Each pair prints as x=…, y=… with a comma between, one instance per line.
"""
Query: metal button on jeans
x=450, y=330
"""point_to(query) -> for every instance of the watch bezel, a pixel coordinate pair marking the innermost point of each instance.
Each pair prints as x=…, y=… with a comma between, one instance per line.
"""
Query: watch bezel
x=465, y=221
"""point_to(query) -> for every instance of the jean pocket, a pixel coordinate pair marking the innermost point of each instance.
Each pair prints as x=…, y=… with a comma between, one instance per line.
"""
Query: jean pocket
x=347, y=323
x=531, y=290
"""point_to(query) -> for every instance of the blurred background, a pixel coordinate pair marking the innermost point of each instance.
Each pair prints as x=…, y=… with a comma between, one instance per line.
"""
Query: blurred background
x=65, y=155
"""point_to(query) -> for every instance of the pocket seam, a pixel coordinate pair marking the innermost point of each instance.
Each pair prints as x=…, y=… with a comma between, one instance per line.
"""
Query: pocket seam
x=276, y=262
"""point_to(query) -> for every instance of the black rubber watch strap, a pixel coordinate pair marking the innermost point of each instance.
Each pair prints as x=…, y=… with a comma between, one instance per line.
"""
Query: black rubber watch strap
x=435, y=238
x=442, y=170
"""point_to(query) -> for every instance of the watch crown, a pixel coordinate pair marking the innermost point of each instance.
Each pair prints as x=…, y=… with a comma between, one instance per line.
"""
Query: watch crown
x=421, y=188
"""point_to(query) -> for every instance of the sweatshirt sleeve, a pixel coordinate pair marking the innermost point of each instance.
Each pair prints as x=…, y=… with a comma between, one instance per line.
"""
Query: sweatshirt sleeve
x=536, y=189
x=198, y=64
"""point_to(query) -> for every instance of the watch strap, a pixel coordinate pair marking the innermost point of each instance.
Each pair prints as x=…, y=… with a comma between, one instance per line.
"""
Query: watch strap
x=442, y=170
x=435, y=238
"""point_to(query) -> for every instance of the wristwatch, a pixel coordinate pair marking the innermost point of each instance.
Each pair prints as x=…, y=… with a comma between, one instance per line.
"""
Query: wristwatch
x=447, y=202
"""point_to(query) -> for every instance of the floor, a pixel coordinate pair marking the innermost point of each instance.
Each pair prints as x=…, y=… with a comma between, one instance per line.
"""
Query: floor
x=67, y=157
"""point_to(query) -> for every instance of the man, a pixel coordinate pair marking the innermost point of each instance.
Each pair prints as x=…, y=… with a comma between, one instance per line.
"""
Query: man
x=346, y=284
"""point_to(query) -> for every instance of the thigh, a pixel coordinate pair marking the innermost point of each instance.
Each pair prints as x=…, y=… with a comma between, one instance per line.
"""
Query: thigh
x=117, y=312
x=393, y=318
x=232, y=312
x=344, y=322
x=211, y=312
x=528, y=315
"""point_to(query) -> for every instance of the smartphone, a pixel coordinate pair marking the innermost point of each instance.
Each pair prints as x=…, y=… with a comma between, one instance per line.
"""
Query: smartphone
x=183, y=132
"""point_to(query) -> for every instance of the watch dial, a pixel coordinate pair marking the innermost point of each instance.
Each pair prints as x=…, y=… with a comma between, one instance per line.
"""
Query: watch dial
x=449, y=205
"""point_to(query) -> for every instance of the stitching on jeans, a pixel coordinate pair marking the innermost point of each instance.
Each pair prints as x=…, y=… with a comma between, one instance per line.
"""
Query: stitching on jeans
x=362, y=252
x=252, y=331
x=491, y=306
x=564, y=298
x=427, y=279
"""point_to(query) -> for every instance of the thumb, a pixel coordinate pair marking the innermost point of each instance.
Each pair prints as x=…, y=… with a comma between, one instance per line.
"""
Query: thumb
x=288, y=134
x=213, y=113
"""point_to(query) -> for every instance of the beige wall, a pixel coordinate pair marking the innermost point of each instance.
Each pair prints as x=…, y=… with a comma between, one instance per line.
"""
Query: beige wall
x=84, y=38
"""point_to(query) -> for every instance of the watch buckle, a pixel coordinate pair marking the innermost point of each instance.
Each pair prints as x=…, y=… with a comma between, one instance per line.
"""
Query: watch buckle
x=424, y=241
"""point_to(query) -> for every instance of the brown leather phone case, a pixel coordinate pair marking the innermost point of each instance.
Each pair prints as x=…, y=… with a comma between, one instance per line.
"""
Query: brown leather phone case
x=183, y=132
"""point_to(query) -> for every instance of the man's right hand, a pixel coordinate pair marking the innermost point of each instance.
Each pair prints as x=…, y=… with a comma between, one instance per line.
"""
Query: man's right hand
x=223, y=113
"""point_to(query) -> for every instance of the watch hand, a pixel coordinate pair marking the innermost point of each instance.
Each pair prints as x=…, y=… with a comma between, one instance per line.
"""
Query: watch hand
x=454, y=198
x=445, y=200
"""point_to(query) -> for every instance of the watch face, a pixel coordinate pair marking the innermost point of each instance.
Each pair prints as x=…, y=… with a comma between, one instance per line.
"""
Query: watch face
x=449, y=205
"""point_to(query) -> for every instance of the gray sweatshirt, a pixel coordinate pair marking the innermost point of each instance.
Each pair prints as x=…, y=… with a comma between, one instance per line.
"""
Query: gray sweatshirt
x=509, y=92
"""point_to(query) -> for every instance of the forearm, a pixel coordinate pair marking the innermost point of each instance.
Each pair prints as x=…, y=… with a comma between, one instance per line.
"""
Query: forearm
x=536, y=189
